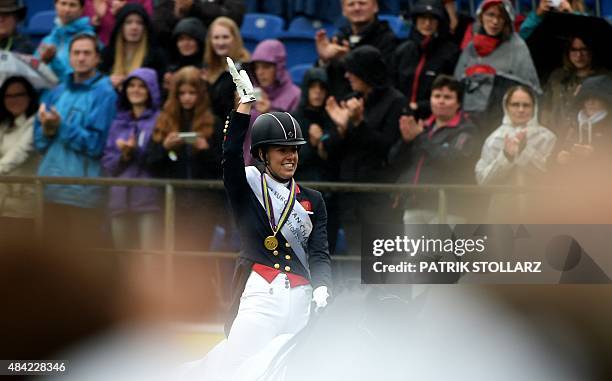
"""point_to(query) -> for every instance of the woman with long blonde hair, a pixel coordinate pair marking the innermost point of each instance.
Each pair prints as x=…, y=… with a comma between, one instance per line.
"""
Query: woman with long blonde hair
x=186, y=144
x=131, y=46
x=223, y=40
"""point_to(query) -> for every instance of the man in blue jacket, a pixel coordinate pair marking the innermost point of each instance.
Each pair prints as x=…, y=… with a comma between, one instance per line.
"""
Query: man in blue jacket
x=70, y=130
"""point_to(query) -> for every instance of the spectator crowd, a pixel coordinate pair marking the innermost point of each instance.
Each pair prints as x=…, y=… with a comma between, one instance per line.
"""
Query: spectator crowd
x=144, y=92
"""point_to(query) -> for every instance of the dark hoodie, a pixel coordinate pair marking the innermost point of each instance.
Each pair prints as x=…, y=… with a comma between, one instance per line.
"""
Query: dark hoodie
x=416, y=63
x=362, y=152
x=311, y=166
x=377, y=34
x=134, y=199
x=154, y=59
x=193, y=28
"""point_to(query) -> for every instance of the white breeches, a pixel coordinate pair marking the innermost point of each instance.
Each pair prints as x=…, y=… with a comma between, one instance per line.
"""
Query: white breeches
x=267, y=310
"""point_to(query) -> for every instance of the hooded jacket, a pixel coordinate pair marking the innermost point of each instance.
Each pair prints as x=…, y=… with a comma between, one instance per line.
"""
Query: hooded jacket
x=60, y=37
x=193, y=28
x=487, y=77
x=417, y=62
x=362, y=152
x=86, y=110
x=132, y=199
x=154, y=58
x=495, y=168
x=378, y=34
x=311, y=166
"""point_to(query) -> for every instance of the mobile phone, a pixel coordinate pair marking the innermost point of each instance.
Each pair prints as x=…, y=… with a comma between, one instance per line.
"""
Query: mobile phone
x=554, y=3
x=188, y=137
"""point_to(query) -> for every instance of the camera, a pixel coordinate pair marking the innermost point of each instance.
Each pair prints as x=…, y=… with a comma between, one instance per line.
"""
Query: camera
x=554, y=3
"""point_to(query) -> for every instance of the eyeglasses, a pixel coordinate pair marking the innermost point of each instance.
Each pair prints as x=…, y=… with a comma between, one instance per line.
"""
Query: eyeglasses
x=519, y=104
x=16, y=95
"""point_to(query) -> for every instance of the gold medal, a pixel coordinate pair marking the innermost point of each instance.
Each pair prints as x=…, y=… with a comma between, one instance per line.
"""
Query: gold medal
x=271, y=243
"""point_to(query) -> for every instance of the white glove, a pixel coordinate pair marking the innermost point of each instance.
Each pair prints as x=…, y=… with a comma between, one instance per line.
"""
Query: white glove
x=319, y=297
x=243, y=83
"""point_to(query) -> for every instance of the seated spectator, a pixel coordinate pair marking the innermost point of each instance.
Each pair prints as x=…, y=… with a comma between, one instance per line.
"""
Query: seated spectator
x=427, y=53
x=134, y=211
x=70, y=130
x=223, y=40
x=172, y=155
x=53, y=49
x=364, y=29
x=169, y=12
x=365, y=128
x=18, y=105
x=535, y=17
x=441, y=150
x=132, y=46
x=588, y=145
x=495, y=60
x=558, y=101
x=516, y=153
x=102, y=14
x=11, y=13
x=275, y=89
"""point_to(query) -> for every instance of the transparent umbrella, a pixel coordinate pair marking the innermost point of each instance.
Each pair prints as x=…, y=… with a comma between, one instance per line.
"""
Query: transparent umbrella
x=36, y=72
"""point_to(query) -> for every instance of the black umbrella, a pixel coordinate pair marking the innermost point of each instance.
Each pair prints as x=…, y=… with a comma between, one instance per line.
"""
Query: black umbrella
x=548, y=41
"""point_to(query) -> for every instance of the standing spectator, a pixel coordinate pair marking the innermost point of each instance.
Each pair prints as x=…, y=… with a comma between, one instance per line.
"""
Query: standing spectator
x=364, y=29
x=187, y=48
x=535, y=17
x=441, y=150
x=365, y=128
x=134, y=211
x=132, y=46
x=102, y=14
x=18, y=105
x=70, y=131
x=275, y=91
x=588, y=145
x=223, y=40
x=516, y=153
x=54, y=48
x=169, y=155
x=11, y=13
x=187, y=44
x=428, y=52
x=169, y=12
x=559, y=94
x=495, y=60
x=316, y=125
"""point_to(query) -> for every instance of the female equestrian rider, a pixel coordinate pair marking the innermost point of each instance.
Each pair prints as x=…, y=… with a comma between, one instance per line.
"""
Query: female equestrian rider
x=283, y=231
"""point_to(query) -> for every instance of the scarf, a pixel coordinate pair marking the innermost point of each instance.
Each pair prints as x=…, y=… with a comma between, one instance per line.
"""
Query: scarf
x=485, y=44
x=298, y=226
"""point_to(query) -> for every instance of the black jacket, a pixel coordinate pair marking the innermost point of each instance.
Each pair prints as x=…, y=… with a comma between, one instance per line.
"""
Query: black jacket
x=155, y=57
x=165, y=20
x=311, y=166
x=443, y=156
x=362, y=152
x=377, y=34
x=221, y=94
x=253, y=222
x=425, y=58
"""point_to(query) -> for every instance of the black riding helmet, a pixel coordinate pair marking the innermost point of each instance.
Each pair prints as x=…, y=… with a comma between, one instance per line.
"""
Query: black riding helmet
x=275, y=128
